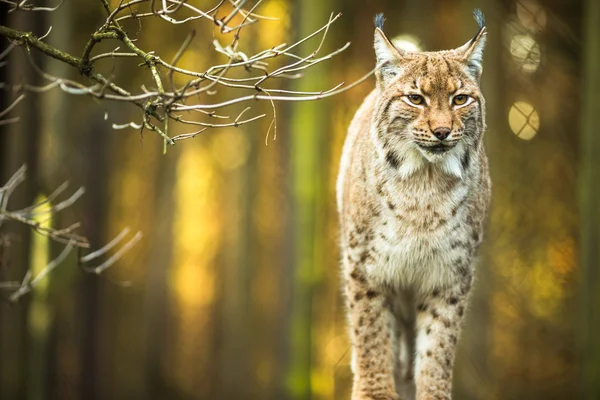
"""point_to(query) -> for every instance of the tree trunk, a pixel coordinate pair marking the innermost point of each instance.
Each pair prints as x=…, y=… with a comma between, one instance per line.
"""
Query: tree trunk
x=18, y=149
x=308, y=128
x=590, y=203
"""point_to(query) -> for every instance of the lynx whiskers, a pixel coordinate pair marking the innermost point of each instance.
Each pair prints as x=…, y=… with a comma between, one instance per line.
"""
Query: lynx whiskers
x=413, y=193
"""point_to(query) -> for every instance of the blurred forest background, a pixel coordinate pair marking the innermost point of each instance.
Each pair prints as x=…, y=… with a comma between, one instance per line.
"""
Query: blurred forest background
x=234, y=293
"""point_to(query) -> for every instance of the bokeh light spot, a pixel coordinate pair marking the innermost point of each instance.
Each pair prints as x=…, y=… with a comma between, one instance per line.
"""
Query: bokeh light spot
x=407, y=42
x=524, y=120
x=526, y=52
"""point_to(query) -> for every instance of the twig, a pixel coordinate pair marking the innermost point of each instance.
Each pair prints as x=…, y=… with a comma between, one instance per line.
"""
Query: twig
x=126, y=247
x=29, y=283
x=106, y=248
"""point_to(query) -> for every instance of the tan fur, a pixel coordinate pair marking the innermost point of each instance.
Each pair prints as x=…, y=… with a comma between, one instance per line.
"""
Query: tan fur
x=411, y=219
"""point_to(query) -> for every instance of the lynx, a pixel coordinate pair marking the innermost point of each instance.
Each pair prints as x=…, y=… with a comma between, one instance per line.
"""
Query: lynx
x=413, y=193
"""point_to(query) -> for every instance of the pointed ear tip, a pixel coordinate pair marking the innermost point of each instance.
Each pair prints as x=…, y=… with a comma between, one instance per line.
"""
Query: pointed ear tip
x=379, y=35
x=481, y=36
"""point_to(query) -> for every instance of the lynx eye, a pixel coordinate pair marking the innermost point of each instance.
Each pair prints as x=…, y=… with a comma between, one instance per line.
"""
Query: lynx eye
x=460, y=99
x=416, y=99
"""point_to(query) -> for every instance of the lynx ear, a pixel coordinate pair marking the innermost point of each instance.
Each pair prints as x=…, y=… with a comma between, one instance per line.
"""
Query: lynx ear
x=472, y=51
x=388, y=57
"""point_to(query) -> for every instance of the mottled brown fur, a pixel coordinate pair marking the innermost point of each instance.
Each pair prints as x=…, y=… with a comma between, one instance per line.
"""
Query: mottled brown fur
x=413, y=193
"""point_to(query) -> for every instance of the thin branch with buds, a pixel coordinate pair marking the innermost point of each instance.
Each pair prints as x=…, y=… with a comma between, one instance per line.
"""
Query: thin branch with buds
x=161, y=104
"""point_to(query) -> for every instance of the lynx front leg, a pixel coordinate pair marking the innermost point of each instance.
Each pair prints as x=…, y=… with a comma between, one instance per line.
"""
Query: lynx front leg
x=371, y=334
x=439, y=320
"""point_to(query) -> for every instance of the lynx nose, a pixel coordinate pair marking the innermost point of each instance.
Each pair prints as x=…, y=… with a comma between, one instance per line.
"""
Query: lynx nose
x=441, y=133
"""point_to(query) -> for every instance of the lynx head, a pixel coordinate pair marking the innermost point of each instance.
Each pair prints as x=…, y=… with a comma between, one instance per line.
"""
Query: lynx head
x=429, y=105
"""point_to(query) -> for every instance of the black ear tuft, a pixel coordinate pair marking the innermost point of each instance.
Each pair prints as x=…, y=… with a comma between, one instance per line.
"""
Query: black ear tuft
x=379, y=20
x=478, y=15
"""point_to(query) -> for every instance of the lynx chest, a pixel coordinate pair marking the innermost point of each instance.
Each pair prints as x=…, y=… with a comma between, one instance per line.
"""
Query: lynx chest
x=422, y=238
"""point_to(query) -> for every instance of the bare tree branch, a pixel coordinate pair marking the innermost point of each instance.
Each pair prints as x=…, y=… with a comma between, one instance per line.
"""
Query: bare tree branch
x=30, y=216
x=160, y=103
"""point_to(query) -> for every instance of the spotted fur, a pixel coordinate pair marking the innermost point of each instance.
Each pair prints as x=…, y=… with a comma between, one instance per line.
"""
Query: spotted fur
x=413, y=193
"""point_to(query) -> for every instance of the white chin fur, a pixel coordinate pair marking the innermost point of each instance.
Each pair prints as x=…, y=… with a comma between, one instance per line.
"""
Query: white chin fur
x=412, y=162
x=449, y=162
